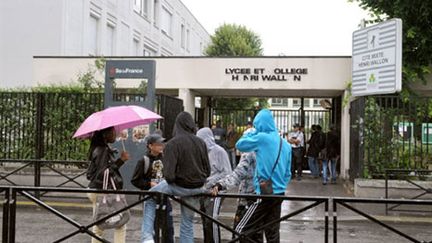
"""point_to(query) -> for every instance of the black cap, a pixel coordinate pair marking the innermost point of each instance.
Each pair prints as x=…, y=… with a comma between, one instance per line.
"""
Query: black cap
x=154, y=138
x=249, y=123
x=296, y=125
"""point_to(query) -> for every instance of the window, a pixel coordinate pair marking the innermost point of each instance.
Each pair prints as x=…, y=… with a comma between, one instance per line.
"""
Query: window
x=182, y=34
x=137, y=6
x=187, y=40
x=136, y=49
x=141, y=7
x=279, y=102
x=166, y=22
x=147, y=51
x=156, y=13
x=316, y=103
x=110, y=40
x=296, y=103
x=93, y=35
x=307, y=103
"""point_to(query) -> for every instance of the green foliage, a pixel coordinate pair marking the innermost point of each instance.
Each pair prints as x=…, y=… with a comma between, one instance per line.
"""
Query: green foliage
x=61, y=114
x=384, y=148
x=234, y=40
x=88, y=80
x=416, y=17
x=62, y=109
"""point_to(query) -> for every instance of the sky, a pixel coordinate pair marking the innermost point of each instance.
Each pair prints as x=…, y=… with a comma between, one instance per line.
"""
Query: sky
x=287, y=27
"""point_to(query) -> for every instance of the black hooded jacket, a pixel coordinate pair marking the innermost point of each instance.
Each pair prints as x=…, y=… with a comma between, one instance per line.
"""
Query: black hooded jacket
x=186, y=161
x=102, y=157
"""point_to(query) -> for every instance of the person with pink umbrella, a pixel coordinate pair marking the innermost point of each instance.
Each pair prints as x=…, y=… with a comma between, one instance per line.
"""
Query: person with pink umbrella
x=101, y=157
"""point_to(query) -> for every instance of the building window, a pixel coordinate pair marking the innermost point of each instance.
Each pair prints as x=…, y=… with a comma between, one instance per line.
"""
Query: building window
x=296, y=103
x=110, y=40
x=307, y=103
x=141, y=7
x=182, y=35
x=187, y=40
x=136, y=45
x=166, y=22
x=316, y=103
x=93, y=35
x=147, y=51
x=156, y=13
x=279, y=102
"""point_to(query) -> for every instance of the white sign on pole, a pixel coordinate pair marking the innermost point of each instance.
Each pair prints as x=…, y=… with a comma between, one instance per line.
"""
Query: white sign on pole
x=377, y=59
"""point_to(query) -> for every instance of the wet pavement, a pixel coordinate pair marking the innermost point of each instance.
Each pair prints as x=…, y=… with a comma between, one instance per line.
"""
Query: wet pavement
x=37, y=225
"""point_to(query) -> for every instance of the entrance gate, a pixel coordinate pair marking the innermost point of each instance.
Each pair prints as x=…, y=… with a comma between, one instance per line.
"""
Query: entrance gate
x=284, y=119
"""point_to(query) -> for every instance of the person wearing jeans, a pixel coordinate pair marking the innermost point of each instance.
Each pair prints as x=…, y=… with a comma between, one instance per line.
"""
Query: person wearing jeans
x=332, y=154
x=331, y=164
x=296, y=140
x=313, y=151
x=186, y=168
x=186, y=224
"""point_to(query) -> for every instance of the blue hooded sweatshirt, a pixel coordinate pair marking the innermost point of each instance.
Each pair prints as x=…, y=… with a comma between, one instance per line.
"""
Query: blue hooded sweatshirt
x=265, y=143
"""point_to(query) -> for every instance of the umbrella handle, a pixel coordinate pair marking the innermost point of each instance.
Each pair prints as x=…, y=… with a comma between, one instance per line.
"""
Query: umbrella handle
x=122, y=142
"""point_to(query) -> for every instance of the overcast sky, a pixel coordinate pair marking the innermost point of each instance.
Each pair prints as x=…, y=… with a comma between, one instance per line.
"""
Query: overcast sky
x=287, y=27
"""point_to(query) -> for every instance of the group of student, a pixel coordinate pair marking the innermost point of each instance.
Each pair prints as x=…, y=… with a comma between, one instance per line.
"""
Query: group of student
x=192, y=164
x=322, y=154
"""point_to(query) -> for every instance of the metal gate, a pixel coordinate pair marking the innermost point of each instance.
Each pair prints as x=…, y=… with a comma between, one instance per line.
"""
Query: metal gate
x=357, y=113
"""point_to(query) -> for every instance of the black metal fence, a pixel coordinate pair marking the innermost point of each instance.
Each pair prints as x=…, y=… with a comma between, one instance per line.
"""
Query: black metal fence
x=40, y=125
x=331, y=208
x=390, y=132
x=284, y=119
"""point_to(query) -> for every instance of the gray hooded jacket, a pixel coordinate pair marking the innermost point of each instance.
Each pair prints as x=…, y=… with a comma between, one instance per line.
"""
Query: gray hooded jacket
x=219, y=162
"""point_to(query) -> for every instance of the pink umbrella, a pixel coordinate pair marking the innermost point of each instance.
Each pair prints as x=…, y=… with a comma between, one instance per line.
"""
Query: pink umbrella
x=120, y=117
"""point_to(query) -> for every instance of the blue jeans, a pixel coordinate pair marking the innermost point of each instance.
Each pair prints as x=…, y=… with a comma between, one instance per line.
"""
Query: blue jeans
x=170, y=224
x=313, y=166
x=186, y=224
x=332, y=168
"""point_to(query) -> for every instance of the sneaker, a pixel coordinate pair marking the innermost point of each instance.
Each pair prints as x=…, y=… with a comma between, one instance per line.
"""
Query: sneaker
x=333, y=181
x=324, y=183
x=299, y=178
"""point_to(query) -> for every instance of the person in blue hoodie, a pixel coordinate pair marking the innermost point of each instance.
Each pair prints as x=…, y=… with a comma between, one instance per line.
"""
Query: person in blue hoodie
x=271, y=152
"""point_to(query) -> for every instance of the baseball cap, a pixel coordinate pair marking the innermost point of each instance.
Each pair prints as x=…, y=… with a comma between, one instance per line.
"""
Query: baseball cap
x=155, y=138
x=296, y=125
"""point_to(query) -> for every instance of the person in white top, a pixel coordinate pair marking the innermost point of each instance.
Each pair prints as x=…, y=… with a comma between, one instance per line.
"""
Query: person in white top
x=296, y=139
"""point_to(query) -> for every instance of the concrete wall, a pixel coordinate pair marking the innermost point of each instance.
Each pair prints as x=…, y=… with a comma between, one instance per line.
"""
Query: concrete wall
x=326, y=77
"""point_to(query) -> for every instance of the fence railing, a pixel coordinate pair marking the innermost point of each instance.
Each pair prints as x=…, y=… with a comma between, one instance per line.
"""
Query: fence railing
x=401, y=127
x=10, y=211
x=345, y=202
x=284, y=119
x=407, y=175
x=37, y=125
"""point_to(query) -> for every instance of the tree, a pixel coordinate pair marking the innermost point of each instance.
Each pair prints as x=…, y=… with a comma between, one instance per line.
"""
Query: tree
x=416, y=17
x=236, y=40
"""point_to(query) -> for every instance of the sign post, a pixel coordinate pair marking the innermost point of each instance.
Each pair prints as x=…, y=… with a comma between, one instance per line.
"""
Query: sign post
x=131, y=139
x=377, y=59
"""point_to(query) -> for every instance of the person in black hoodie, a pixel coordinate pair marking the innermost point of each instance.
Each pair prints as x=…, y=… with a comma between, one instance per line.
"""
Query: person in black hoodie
x=148, y=173
x=186, y=168
x=102, y=157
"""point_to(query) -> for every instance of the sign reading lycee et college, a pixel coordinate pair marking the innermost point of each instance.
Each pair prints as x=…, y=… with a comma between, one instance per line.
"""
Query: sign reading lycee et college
x=262, y=74
x=377, y=59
